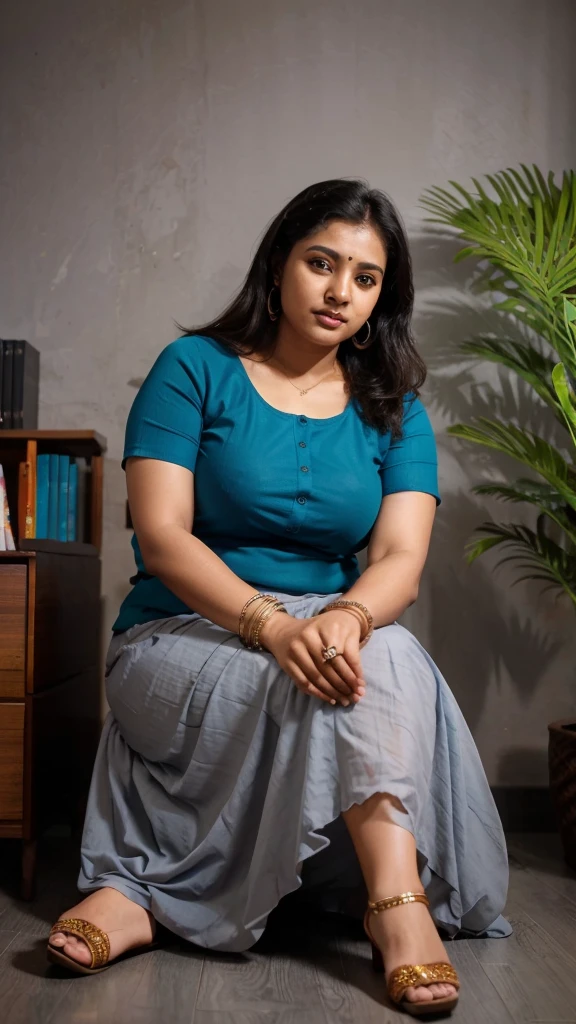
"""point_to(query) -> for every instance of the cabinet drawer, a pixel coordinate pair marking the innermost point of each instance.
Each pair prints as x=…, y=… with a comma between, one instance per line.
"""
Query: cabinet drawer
x=13, y=593
x=11, y=761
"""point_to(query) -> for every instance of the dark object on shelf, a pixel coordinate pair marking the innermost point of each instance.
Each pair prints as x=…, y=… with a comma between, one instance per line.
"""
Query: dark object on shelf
x=50, y=653
x=19, y=384
x=562, y=767
x=7, y=355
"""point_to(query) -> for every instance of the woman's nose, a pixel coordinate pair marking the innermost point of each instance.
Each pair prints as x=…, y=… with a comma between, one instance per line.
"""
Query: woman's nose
x=339, y=288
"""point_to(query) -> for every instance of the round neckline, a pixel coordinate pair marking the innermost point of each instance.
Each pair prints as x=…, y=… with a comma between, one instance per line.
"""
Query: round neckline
x=280, y=412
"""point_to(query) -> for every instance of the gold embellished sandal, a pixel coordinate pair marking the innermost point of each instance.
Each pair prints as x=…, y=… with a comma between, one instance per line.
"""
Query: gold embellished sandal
x=98, y=943
x=412, y=974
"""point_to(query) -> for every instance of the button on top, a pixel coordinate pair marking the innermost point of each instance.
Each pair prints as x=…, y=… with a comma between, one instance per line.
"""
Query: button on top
x=303, y=419
x=301, y=500
x=302, y=444
x=304, y=469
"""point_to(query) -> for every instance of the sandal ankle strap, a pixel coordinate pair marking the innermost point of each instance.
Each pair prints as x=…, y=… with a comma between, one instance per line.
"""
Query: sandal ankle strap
x=375, y=906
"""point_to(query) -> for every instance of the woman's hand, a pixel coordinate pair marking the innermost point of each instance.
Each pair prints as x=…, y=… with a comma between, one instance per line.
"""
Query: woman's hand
x=297, y=646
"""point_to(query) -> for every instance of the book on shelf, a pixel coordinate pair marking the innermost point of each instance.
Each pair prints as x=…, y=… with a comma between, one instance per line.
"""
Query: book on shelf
x=19, y=383
x=53, y=498
x=63, y=481
x=27, y=493
x=6, y=535
x=42, y=472
x=52, y=493
x=72, y=510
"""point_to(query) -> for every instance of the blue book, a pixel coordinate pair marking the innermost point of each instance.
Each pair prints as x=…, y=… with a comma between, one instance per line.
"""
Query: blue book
x=42, y=474
x=63, y=475
x=72, y=500
x=53, y=498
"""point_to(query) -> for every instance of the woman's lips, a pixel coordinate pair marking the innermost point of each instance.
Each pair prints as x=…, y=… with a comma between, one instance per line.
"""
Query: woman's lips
x=328, y=321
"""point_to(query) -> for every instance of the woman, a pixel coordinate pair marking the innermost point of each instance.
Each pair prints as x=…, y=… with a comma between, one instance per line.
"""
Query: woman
x=266, y=706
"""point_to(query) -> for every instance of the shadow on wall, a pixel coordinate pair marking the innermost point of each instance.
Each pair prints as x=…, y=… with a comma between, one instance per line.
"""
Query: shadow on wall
x=476, y=632
x=480, y=629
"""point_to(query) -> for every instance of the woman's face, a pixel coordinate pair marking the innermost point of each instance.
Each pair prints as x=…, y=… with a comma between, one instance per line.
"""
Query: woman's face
x=339, y=270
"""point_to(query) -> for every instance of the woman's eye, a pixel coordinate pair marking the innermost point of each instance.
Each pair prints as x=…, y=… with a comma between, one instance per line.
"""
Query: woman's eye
x=364, y=279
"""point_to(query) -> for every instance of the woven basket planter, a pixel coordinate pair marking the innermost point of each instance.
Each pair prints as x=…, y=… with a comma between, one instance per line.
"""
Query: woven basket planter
x=562, y=769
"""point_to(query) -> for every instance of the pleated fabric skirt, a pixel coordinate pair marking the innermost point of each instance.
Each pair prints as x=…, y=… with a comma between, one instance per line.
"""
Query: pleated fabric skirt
x=218, y=787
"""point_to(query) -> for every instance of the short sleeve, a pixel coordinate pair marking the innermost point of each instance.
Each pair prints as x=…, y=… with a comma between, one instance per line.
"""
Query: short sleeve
x=411, y=462
x=165, y=420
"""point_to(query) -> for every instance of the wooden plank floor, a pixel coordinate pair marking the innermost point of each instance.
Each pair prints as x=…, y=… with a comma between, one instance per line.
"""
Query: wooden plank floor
x=306, y=969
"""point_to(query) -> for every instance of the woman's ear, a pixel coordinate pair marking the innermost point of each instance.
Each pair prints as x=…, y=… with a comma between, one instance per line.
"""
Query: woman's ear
x=277, y=269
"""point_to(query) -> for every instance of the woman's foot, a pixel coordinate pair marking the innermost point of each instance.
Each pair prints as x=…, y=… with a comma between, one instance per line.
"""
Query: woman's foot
x=407, y=935
x=125, y=922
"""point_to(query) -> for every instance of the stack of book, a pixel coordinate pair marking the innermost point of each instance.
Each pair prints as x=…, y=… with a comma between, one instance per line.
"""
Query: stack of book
x=52, y=492
x=19, y=374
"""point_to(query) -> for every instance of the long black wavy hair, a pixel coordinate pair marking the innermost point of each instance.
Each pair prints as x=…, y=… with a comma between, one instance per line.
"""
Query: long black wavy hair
x=381, y=375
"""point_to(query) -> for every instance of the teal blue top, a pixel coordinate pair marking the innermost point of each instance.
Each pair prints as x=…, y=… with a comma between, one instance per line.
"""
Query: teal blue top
x=285, y=500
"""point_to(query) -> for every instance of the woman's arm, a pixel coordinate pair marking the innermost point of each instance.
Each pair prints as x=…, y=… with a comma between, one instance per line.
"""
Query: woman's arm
x=396, y=555
x=161, y=498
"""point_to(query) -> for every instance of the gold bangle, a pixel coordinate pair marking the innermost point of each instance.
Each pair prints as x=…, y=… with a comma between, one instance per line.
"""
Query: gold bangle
x=253, y=640
x=254, y=597
x=350, y=606
x=342, y=602
x=262, y=612
x=360, y=616
x=256, y=645
x=246, y=630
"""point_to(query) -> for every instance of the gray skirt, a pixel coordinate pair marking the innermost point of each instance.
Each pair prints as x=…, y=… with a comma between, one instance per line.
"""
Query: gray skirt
x=218, y=787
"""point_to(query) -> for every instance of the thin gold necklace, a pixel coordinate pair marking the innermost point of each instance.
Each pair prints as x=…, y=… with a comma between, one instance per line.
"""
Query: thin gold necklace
x=304, y=391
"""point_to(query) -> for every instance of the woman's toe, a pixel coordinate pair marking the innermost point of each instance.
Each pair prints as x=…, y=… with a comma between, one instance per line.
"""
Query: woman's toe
x=426, y=993
x=72, y=947
x=420, y=994
x=442, y=990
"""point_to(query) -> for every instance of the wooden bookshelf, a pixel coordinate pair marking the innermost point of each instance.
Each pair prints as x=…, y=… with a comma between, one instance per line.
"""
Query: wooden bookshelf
x=88, y=444
x=50, y=643
x=69, y=442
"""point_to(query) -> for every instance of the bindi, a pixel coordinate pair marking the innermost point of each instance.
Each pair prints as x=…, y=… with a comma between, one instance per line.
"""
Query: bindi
x=349, y=257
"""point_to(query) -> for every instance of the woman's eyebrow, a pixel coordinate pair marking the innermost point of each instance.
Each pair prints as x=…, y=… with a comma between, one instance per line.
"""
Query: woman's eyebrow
x=336, y=256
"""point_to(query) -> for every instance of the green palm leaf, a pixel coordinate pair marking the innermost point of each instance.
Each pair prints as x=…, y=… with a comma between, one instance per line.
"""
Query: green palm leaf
x=523, y=239
x=566, y=398
x=528, y=239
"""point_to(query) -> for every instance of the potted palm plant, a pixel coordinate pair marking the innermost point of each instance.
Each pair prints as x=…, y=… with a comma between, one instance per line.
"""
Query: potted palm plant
x=523, y=237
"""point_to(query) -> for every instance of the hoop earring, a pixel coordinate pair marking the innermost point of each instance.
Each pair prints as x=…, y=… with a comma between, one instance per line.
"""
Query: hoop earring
x=363, y=344
x=273, y=313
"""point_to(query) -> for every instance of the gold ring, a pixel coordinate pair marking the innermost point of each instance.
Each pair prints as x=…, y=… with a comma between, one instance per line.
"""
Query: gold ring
x=330, y=652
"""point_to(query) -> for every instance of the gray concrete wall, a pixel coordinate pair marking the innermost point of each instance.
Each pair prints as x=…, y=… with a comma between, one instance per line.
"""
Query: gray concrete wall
x=144, y=147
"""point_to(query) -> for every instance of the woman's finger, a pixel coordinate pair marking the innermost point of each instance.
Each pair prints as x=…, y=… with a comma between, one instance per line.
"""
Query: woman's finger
x=305, y=686
x=340, y=668
x=303, y=658
x=348, y=667
x=353, y=658
x=339, y=674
